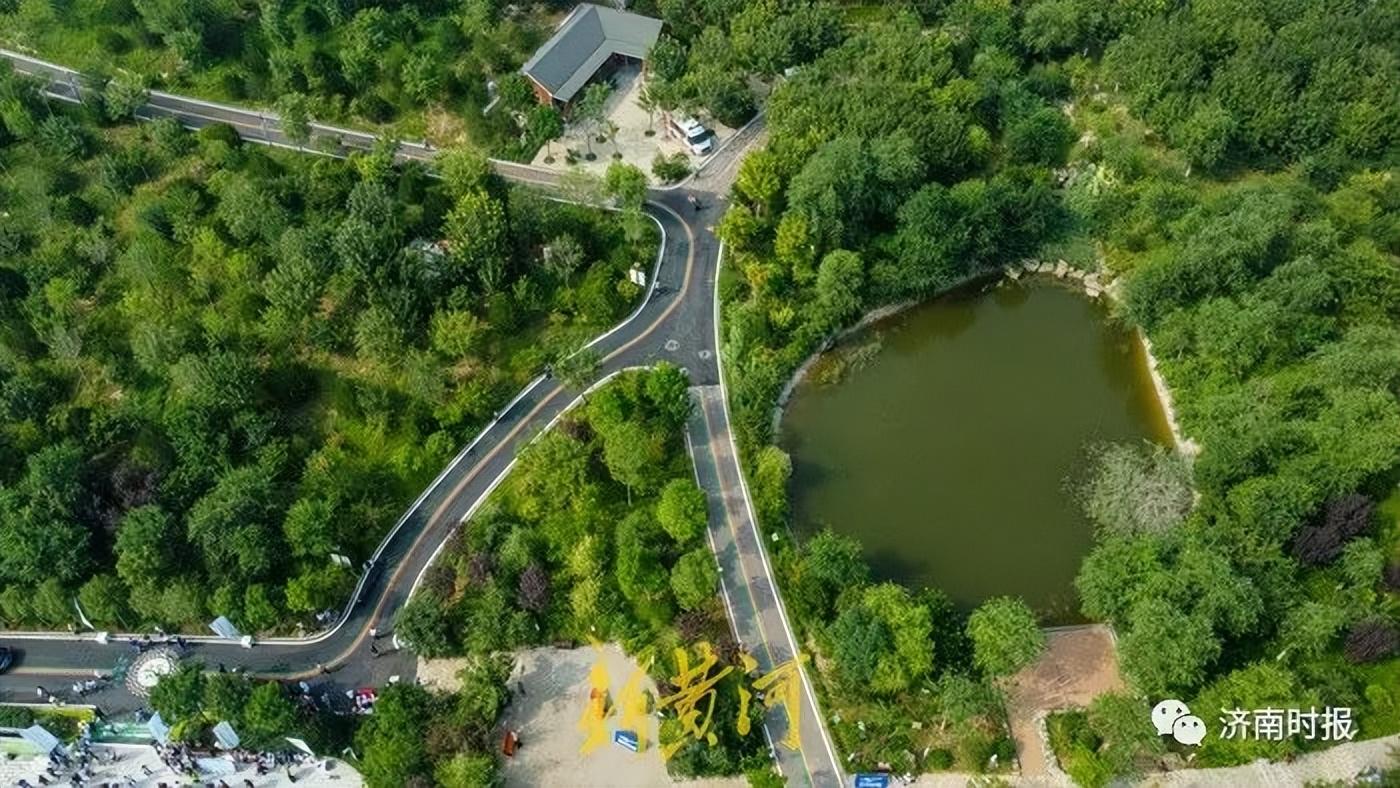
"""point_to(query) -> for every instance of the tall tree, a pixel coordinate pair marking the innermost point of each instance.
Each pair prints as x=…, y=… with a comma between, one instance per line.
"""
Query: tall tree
x=1005, y=636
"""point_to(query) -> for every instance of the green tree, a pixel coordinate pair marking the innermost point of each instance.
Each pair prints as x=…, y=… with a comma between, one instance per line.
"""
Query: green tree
x=103, y=599
x=668, y=390
x=694, y=579
x=232, y=525
x=1042, y=137
x=391, y=741
x=321, y=586
x=589, y=110
x=564, y=256
x=883, y=643
x=640, y=575
x=770, y=478
x=225, y=697
x=39, y=535
x=311, y=528
x=1005, y=636
x=859, y=640
x=667, y=59
x=420, y=77
x=830, y=564
x=626, y=184
x=682, y=511
x=294, y=117
x=477, y=230
x=464, y=170
x=179, y=695
x=760, y=181
x=579, y=369
x=123, y=95
x=646, y=102
x=423, y=625
x=456, y=333
x=633, y=455
x=839, y=281
x=1165, y=649
x=1260, y=685
x=1205, y=136
x=1310, y=627
x=546, y=126
x=269, y=716
x=53, y=604
x=467, y=770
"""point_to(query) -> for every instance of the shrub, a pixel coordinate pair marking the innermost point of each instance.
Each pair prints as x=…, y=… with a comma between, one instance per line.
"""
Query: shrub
x=974, y=750
x=1391, y=577
x=1372, y=640
x=669, y=169
x=15, y=717
x=731, y=103
x=1343, y=519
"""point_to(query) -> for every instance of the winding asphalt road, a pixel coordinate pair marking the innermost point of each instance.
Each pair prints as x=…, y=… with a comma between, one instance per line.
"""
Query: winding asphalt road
x=676, y=322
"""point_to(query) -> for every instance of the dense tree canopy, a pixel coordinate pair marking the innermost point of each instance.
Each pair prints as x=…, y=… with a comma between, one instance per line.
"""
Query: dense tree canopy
x=223, y=364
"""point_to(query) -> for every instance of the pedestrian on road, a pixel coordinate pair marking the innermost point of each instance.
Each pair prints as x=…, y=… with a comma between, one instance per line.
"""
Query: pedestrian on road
x=374, y=649
x=322, y=669
x=373, y=633
x=41, y=691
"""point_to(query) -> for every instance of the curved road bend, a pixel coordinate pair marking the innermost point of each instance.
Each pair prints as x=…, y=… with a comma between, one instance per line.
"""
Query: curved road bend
x=677, y=323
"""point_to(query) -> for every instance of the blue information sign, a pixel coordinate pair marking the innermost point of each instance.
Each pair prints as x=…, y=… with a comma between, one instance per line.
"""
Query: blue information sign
x=872, y=780
x=626, y=739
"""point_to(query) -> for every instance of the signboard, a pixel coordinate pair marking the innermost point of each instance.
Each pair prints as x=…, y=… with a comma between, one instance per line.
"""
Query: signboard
x=625, y=739
x=42, y=740
x=224, y=736
x=872, y=780
x=223, y=628
x=637, y=276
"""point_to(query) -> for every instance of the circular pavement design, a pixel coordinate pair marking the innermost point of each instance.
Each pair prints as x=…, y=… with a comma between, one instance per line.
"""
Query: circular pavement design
x=148, y=668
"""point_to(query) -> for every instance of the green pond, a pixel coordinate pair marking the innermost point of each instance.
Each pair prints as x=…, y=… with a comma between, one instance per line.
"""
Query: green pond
x=950, y=444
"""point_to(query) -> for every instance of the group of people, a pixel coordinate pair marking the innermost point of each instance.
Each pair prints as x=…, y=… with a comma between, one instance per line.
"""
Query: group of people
x=76, y=769
x=178, y=758
x=81, y=688
x=139, y=645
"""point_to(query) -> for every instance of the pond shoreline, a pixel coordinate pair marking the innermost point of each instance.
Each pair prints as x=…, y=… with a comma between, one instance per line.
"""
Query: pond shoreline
x=1089, y=285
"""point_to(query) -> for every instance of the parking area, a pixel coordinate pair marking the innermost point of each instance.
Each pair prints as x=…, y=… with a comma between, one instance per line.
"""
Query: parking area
x=547, y=711
x=631, y=143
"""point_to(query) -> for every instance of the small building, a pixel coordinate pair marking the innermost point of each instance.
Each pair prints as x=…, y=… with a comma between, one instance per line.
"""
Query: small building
x=591, y=39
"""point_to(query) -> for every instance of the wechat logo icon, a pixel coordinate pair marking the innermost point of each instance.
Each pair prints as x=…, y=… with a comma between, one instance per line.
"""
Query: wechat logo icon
x=1173, y=718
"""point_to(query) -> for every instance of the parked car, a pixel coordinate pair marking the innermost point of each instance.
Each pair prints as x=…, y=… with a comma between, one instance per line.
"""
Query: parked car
x=698, y=139
x=7, y=658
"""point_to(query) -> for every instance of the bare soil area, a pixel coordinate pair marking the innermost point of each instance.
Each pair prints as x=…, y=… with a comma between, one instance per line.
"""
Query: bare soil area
x=1079, y=664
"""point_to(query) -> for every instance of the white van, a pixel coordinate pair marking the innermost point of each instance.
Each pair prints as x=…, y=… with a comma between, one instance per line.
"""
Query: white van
x=693, y=133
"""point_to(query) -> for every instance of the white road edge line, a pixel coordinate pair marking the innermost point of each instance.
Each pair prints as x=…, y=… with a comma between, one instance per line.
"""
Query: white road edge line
x=753, y=522
x=480, y=499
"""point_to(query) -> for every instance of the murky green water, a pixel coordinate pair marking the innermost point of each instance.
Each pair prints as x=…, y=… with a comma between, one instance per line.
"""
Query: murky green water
x=949, y=451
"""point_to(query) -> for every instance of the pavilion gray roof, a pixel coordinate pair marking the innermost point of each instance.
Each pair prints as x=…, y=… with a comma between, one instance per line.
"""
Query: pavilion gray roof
x=589, y=36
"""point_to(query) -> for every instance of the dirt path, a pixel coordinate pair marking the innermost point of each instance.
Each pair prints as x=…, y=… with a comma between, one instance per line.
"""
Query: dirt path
x=1079, y=663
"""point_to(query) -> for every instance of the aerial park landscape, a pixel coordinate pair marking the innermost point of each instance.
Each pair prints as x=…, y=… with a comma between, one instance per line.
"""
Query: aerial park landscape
x=841, y=394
